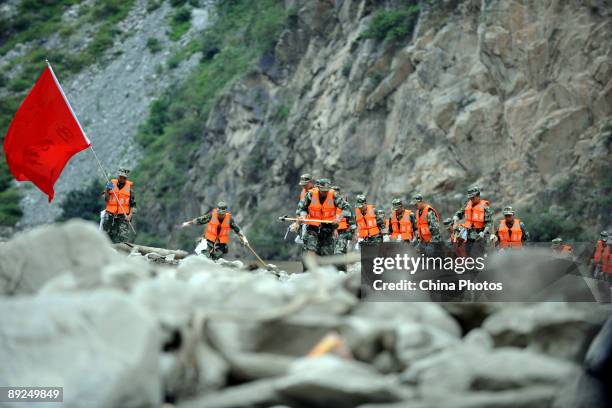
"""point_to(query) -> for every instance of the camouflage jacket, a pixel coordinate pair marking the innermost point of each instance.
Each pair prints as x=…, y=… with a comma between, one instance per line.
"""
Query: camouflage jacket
x=381, y=221
x=412, y=221
x=433, y=224
x=132, y=199
x=525, y=233
x=204, y=219
x=338, y=201
x=488, y=220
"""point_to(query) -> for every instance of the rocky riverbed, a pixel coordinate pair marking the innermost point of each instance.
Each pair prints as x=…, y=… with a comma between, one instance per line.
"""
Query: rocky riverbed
x=119, y=331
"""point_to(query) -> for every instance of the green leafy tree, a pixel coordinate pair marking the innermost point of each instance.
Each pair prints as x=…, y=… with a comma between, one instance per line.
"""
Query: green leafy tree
x=85, y=203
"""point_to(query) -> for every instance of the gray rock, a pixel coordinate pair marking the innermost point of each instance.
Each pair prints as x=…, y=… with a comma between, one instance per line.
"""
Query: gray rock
x=100, y=346
x=531, y=397
x=558, y=329
x=252, y=366
x=253, y=394
x=330, y=381
x=33, y=257
x=430, y=313
x=465, y=368
x=126, y=273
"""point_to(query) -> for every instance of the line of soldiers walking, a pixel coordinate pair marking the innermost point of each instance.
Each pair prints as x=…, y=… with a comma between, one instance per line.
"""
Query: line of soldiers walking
x=327, y=224
x=418, y=224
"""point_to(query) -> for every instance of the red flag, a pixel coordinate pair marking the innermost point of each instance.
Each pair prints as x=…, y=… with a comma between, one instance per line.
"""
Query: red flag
x=43, y=135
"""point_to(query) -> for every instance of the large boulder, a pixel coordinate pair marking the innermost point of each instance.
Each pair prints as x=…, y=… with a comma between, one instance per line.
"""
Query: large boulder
x=558, y=329
x=468, y=369
x=100, y=346
x=33, y=257
x=330, y=381
x=531, y=397
x=592, y=388
x=260, y=393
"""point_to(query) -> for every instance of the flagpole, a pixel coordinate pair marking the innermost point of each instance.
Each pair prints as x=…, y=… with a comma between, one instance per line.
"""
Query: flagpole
x=104, y=173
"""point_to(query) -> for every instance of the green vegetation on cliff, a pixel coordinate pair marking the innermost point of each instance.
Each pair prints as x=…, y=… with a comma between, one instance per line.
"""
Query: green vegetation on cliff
x=393, y=25
x=241, y=31
x=35, y=22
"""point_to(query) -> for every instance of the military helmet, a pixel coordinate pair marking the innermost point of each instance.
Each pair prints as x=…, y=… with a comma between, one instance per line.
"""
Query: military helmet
x=361, y=199
x=305, y=179
x=604, y=234
x=396, y=203
x=380, y=213
x=417, y=198
x=124, y=171
x=323, y=183
x=448, y=221
x=336, y=188
x=473, y=191
x=557, y=241
x=221, y=205
x=508, y=210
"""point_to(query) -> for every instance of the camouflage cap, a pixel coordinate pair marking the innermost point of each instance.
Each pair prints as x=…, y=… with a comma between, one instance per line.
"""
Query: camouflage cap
x=508, y=210
x=305, y=179
x=124, y=171
x=448, y=221
x=396, y=203
x=361, y=198
x=604, y=234
x=417, y=198
x=380, y=213
x=336, y=188
x=473, y=191
x=323, y=182
x=221, y=205
x=557, y=240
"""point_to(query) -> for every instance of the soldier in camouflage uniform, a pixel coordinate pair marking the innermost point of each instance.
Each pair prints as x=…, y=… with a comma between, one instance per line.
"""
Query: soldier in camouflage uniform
x=219, y=221
x=428, y=223
x=401, y=224
x=478, y=221
x=365, y=215
x=319, y=239
x=509, y=221
x=307, y=183
x=120, y=207
x=562, y=249
x=345, y=232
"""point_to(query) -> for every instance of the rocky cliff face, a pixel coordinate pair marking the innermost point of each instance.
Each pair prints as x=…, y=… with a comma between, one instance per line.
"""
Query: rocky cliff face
x=112, y=97
x=515, y=96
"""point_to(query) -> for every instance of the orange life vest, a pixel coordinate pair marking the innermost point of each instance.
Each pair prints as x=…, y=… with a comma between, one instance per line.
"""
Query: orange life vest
x=112, y=206
x=366, y=224
x=510, y=237
x=598, y=251
x=343, y=225
x=321, y=211
x=213, y=232
x=423, y=223
x=402, y=227
x=474, y=215
x=606, y=260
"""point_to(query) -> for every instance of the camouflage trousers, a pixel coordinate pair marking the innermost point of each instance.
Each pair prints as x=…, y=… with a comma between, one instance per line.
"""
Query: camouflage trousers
x=319, y=240
x=375, y=238
x=343, y=242
x=117, y=228
x=215, y=251
x=342, y=245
